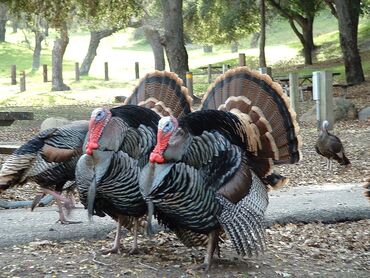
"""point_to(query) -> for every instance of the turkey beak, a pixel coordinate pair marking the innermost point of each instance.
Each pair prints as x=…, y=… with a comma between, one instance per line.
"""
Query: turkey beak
x=91, y=198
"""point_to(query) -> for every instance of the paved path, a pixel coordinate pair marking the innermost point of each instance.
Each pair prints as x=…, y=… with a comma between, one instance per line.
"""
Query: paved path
x=326, y=203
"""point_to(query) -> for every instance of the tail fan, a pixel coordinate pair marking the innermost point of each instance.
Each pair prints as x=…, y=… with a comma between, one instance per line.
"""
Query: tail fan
x=243, y=222
x=265, y=111
x=163, y=92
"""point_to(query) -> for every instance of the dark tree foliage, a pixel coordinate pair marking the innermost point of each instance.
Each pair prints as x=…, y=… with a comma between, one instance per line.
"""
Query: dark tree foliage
x=220, y=21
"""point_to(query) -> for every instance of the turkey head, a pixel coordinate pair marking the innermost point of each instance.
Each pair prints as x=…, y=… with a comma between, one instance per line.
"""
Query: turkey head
x=172, y=141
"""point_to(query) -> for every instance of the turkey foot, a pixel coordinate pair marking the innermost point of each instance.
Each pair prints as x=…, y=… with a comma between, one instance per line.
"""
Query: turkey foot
x=62, y=219
x=113, y=250
x=134, y=251
x=67, y=222
x=204, y=267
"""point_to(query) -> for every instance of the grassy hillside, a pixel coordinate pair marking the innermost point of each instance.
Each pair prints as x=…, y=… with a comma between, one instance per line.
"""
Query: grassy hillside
x=125, y=48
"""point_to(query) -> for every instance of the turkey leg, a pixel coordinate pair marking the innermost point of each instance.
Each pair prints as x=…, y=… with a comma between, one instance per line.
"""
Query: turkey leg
x=117, y=239
x=66, y=203
x=134, y=249
x=211, y=246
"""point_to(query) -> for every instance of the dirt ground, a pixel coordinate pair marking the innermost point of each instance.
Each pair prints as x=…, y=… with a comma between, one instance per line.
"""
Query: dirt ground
x=311, y=250
x=316, y=249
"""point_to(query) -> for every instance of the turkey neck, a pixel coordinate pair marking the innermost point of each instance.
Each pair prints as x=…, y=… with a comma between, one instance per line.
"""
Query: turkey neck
x=112, y=136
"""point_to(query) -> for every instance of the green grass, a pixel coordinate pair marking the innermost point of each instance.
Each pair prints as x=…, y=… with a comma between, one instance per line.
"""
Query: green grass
x=12, y=54
x=124, y=48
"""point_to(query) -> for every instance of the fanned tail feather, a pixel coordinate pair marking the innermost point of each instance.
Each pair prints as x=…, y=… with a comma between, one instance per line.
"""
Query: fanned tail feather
x=243, y=222
x=265, y=111
x=163, y=92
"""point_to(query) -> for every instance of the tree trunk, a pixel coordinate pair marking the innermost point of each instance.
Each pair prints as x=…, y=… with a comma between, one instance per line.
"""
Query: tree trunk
x=3, y=20
x=173, y=40
x=348, y=15
x=39, y=37
x=2, y=30
x=262, y=41
x=234, y=46
x=305, y=21
x=60, y=45
x=15, y=25
x=153, y=37
x=306, y=37
x=95, y=38
x=254, y=40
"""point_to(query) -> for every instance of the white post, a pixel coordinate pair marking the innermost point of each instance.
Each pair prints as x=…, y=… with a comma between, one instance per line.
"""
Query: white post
x=293, y=91
x=266, y=70
x=323, y=94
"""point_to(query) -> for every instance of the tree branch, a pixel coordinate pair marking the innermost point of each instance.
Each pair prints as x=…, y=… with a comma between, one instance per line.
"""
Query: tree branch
x=296, y=31
x=291, y=15
x=332, y=7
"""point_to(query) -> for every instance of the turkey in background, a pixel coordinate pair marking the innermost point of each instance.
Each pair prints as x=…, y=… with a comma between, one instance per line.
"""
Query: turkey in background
x=118, y=146
x=210, y=171
x=330, y=147
x=367, y=188
x=48, y=159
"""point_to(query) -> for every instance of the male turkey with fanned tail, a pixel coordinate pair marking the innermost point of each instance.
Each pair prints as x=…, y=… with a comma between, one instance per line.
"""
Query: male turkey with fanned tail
x=48, y=159
x=118, y=146
x=210, y=171
x=330, y=147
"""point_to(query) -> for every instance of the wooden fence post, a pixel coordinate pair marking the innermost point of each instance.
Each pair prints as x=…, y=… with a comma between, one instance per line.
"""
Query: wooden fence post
x=23, y=81
x=209, y=72
x=323, y=94
x=189, y=82
x=294, y=91
x=77, y=71
x=225, y=68
x=106, y=76
x=13, y=73
x=242, y=60
x=137, y=75
x=45, y=72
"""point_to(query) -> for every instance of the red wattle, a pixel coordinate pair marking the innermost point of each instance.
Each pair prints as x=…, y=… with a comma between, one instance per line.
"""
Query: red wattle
x=156, y=155
x=156, y=158
x=90, y=147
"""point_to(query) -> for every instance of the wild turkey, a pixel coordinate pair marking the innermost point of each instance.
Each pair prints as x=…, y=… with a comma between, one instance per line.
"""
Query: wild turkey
x=118, y=146
x=49, y=159
x=330, y=147
x=367, y=189
x=210, y=170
